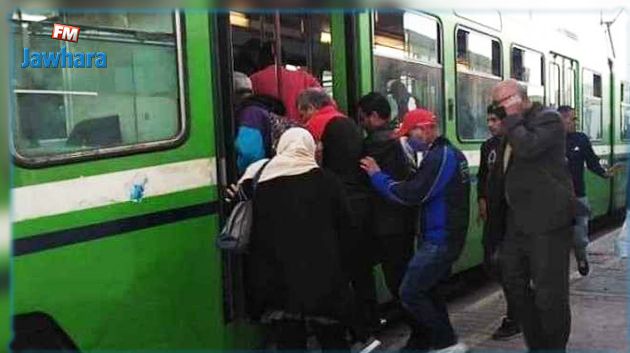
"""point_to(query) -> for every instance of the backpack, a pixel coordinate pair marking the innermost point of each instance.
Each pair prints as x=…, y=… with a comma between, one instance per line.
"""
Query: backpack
x=236, y=233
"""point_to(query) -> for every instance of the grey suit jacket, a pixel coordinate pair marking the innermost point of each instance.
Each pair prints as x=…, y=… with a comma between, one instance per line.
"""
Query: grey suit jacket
x=537, y=180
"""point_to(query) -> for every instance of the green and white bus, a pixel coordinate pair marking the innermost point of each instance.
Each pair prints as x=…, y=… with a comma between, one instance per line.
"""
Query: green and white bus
x=119, y=172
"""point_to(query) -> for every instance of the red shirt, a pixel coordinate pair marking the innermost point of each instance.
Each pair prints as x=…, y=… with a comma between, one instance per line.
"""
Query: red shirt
x=293, y=83
x=320, y=119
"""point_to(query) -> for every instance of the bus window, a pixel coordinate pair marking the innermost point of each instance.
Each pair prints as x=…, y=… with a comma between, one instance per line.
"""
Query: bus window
x=592, y=106
x=68, y=112
x=478, y=70
x=527, y=67
x=625, y=111
x=304, y=56
x=568, y=91
x=554, y=85
x=407, y=62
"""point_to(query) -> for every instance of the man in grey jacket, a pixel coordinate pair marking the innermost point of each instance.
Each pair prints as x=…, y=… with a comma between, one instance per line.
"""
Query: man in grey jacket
x=540, y=212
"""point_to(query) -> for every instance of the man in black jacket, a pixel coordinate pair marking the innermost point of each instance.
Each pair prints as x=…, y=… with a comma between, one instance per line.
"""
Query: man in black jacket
x=493, y=231
x=341, y=148
x=392, y=224
x=579, y=152
x=540, y=211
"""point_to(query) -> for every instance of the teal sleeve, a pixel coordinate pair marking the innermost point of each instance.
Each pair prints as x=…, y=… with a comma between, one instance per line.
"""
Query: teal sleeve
x=249, y=147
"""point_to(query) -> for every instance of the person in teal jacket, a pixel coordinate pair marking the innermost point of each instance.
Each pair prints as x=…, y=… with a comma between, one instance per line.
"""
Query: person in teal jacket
x=260, y=123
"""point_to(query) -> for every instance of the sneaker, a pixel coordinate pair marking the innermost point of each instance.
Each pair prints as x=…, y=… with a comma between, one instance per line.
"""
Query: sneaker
x=456, y=348
x=507, y=330
x=371, y=344
x=583, y=267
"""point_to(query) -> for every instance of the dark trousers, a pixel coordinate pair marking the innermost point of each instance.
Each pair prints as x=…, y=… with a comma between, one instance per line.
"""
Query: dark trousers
x=293, y=335
x=395, y=252
x=492, y=266
x=359, y=247
x=535, y=270
x=419, y=295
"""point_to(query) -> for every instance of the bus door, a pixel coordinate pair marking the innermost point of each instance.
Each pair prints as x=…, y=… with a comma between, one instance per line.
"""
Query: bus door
x=259, y=54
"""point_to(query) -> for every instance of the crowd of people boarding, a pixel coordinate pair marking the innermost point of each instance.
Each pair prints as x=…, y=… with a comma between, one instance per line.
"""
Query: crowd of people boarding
x=332, y=198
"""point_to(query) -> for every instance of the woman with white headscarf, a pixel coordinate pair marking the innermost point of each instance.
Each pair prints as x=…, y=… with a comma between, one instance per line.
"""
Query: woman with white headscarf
x=294, y=276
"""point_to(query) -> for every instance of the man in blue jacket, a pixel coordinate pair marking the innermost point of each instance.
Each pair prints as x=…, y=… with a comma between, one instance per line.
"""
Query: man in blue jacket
x=441, y=185
x=579, y=152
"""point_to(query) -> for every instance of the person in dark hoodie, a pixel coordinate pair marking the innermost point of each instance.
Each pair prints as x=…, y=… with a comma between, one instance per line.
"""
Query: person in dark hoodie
x=491, y=206
x=340, y=148
x=392, y=224
x=260, y=122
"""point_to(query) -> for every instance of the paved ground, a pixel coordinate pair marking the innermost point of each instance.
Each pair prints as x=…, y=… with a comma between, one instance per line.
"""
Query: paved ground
x=599, y=307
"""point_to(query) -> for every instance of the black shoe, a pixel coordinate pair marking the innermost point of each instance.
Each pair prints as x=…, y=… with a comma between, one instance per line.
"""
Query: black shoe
x=507, y=330
x=419, y=340
x=416, y=346
x=583, y=267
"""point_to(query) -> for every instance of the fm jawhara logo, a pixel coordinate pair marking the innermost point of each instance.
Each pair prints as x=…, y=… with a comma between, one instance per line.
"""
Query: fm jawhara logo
x=64, y=58
x=65, y=32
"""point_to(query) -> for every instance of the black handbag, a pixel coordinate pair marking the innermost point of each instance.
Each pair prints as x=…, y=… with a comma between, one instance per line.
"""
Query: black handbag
x=236, y=233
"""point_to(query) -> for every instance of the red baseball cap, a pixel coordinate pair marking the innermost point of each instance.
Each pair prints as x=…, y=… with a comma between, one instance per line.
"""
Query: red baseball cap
x=414, y=119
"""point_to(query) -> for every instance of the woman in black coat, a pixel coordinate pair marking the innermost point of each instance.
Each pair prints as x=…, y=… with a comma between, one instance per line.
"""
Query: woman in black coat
x=294, y=276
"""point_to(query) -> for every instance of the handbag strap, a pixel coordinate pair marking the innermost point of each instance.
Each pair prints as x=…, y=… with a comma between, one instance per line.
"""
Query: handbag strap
x=257, y=177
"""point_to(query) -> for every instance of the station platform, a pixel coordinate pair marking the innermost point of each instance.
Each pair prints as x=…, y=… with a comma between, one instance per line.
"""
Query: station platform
x=599, y=309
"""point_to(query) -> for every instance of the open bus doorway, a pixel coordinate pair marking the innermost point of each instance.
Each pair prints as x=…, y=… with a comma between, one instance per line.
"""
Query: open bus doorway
x=272, y=54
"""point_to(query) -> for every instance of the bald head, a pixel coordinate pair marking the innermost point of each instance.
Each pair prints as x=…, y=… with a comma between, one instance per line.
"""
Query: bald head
x=507, y=88
x=510, y=93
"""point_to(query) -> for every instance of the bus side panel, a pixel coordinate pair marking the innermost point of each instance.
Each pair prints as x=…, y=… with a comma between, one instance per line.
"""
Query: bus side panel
x=153, y=288
x=156, y=286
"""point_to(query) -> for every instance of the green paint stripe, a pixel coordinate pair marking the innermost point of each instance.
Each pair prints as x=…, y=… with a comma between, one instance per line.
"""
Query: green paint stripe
x=339, y=60
x=112, y=212
x=364, y=33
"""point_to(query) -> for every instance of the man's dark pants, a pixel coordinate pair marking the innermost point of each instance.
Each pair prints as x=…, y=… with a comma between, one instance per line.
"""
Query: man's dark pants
x=535, y=270
x=492, y=266
x=395, y=252
x=359, y=247
x=430, y=264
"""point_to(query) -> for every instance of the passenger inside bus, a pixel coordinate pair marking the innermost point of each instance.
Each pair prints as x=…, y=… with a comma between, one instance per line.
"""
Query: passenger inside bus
x=281, y=82
x=260, y=121
x=400, y=100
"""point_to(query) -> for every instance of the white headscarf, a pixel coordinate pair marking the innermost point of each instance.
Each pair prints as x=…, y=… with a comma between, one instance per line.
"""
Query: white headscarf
x=295, y=155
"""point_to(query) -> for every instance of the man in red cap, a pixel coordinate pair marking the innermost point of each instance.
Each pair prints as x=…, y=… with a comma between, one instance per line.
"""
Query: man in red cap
x=441, y=186
x=410, y=135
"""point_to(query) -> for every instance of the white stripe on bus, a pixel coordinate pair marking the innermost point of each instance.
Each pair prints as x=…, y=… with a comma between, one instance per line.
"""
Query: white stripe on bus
x=59, y=197
x=473, y=157
x=622, y=149
x=601, y=150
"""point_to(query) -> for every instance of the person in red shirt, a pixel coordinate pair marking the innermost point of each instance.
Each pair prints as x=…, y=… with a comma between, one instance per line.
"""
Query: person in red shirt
x=265, y=81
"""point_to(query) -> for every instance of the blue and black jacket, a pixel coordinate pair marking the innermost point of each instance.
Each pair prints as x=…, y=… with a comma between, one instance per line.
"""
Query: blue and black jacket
x=441, y=186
